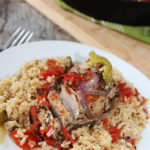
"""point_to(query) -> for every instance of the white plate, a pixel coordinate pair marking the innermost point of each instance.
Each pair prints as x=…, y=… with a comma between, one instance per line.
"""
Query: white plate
x=11, y=59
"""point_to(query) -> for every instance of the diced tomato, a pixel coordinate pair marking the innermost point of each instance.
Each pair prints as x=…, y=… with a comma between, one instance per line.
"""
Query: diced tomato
x=26, y=145
x=49, y=141
x=67, y=135
x=105, y=149
x=132, y=141
x=115, y=133
x=125, y=91
x=105, y=123
x=51, y=62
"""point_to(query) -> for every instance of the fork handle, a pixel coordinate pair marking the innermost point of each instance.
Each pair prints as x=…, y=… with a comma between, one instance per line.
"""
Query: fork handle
x=1, y=49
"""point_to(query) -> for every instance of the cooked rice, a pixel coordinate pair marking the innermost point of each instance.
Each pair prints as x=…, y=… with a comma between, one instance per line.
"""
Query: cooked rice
x=17, y=96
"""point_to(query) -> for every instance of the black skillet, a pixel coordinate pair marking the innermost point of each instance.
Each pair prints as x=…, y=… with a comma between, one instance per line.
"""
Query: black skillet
x=125, y=12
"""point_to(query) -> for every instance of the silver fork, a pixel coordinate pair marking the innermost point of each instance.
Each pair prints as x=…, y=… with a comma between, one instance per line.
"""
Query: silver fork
x=19, y=36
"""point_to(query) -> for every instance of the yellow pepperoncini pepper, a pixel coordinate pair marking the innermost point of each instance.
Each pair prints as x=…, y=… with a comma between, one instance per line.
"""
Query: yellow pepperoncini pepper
x=107, y=67
x=3, y=117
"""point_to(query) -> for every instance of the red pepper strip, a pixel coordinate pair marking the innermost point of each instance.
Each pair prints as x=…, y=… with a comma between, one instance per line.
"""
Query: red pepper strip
x=144, y=100
x=68, y=90
x=115, y=133
x=71, y=76
x=132, y=141
x=43, y=74
x=46, y=86
x=74, y=76
x=59, y=147
x=136, y=92
x=34, y=126
x=49, y=141
x=105, y=123
x=43, y=98
x=25, y=146
x=67, y=135
x=57, y=71
x=124, y=90
x=34, y=113
x=45, y=130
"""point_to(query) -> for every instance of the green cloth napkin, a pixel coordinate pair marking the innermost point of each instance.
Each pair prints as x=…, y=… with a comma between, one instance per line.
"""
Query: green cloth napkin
x=138, y=32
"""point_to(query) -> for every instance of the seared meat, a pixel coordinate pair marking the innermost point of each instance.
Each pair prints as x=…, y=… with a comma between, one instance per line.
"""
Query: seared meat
x=71, y=103
x=58, y=109
x=112, y=96
x=83, y=97
x=47, y=120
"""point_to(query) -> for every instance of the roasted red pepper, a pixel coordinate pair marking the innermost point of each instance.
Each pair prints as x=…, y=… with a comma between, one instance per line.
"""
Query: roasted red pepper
x=53, y=69
x=42, y=96
x=45, y=130
x=73, y=78
x=67, y=135
x=105, y=123
x=26, y=145
x=51, y=62
x=59, y=147
x=144, y=100
x=49, y=141
x=46, y=86
x=132, y=141
x=115, y=133
x=125, y=91
x=34, y=126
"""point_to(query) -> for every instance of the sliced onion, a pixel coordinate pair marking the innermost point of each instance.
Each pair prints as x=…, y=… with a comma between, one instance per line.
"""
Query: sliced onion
x=75, y=69
x=87, y=87
x=102, y=115
x=95, y=92
x=93, y=82
x=80, y=96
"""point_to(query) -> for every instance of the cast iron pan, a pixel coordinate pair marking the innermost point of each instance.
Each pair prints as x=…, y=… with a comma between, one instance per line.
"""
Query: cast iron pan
x=125, y=12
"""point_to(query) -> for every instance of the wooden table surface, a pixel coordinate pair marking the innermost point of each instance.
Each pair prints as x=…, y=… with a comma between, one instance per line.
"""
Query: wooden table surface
x=133, y=51
x=15, y=13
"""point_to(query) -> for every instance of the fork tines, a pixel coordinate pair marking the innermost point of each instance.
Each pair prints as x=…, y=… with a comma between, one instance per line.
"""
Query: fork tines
x=19, y=36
